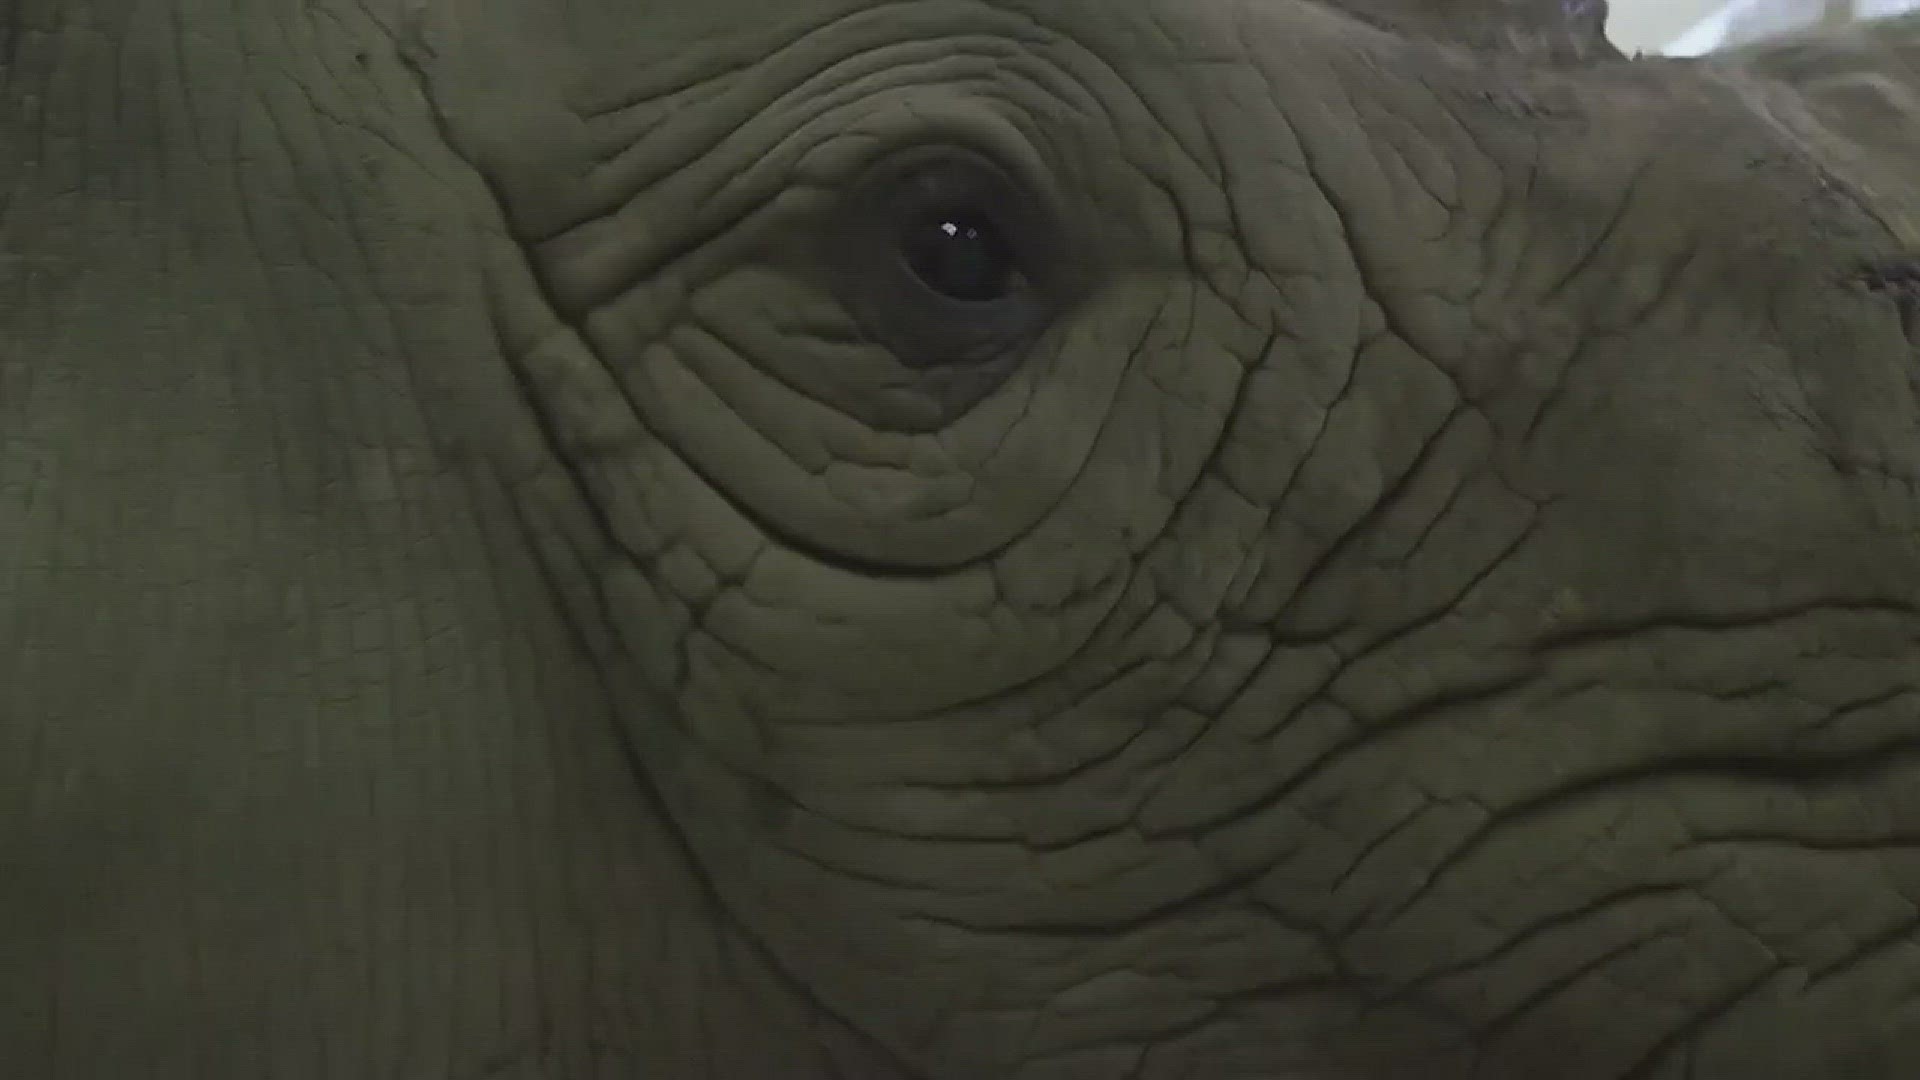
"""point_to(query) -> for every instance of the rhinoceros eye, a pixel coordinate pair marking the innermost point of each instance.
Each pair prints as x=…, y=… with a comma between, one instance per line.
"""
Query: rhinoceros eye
x=944, y=259
x=954, y=243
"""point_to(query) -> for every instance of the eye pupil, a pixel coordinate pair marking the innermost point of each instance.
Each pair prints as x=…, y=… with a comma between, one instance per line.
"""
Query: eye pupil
x=960, y=255
x=946, y=261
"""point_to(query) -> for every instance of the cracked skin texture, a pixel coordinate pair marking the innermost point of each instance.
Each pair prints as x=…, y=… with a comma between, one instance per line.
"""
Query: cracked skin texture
x=1422, y=581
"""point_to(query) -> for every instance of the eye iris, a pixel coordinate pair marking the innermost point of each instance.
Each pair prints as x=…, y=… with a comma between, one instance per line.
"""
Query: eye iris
x=961, y=255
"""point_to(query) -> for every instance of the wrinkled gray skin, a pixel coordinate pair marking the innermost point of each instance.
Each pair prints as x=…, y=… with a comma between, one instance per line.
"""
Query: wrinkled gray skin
x=502, y=577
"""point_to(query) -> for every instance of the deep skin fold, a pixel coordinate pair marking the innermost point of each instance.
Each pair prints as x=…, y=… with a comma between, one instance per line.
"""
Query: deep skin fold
x=1441, y=604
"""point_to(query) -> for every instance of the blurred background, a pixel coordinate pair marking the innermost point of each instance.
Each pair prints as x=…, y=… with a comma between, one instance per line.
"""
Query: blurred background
x=1692, y=27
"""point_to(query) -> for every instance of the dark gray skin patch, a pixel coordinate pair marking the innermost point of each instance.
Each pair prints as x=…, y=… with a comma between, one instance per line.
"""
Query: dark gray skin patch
x=1900, y=279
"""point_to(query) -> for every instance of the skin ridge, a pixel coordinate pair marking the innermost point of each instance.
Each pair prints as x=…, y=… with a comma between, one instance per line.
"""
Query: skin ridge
x=568, y=555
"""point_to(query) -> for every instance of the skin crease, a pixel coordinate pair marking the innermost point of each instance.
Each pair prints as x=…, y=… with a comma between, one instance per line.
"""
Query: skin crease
x=1438, y=596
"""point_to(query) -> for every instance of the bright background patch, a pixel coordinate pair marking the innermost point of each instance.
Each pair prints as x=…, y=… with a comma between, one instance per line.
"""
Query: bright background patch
x=1692, y=27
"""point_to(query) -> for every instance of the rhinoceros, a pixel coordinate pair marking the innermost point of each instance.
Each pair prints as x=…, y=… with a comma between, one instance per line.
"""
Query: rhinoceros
x=954, y=539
